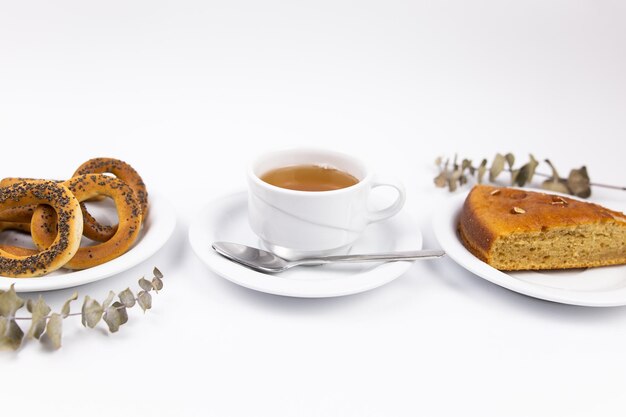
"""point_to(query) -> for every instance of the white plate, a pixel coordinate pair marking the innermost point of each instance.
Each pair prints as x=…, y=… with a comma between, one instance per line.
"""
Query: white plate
x=594, y=287
x=227, y=219
x=155, y=232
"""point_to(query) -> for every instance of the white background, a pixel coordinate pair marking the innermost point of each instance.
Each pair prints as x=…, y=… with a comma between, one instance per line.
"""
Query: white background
x=188, y=91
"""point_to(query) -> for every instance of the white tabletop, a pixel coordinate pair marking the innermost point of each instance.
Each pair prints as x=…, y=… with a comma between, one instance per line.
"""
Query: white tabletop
x=188, y=91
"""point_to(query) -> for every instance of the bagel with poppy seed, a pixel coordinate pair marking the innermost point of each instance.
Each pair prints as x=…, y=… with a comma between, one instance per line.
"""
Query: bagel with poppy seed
x=66, y=239
x=121, y=170
x=85, y=187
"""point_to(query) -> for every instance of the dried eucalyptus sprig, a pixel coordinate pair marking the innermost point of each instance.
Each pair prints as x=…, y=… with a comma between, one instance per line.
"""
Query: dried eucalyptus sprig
x=577, y=183
x=47, y=327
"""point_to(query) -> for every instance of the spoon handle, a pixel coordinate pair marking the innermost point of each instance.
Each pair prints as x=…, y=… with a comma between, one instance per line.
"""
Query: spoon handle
x=374, y=257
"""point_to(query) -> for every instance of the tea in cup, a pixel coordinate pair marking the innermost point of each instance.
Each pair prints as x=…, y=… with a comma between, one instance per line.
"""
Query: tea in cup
x=310, y=202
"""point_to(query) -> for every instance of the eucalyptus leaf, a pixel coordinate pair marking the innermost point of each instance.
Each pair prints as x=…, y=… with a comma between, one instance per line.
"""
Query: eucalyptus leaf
x=522, y=175
x=533, y=167
x=115, y=316
x=10, y=302
x=11, y=335
x=451, y=184
x=107, y=301
x=144, y=299
x=123, y=311
x=526, y=172
x=127, y=298
x=556, y=186
x=555, y=183
x=91, y=312
x=157, y=283
x=510, y=159
x=441, y=180
x=145, y=284
x=4, y=326
x=40, y=311
x=497, y=166
x=578, y=181
x=54, y=330
x=555, y=174
x=65, y=310
x=455, y=178
x=481, y=171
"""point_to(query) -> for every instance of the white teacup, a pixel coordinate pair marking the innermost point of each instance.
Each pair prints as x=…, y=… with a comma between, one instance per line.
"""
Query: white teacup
x=298, y=224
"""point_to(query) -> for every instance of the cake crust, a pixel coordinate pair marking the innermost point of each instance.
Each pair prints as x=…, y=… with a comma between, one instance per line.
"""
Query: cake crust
x=526, y=221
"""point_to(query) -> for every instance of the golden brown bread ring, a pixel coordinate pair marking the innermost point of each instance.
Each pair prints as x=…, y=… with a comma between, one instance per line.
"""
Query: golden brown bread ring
x=18, y=250
x=121, y=170
x=5, y=182
x=17, y=214
x=92, y=229
x=95, y=230
x=64, y=244
x=18, y=226
x=21, y=214
x=85, y=187
x=12, y=249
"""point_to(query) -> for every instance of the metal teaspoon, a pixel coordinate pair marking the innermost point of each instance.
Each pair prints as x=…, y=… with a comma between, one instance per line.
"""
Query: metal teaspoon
x=265, y=261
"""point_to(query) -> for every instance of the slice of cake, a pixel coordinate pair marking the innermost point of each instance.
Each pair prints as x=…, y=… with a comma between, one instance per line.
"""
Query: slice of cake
x=513, y=229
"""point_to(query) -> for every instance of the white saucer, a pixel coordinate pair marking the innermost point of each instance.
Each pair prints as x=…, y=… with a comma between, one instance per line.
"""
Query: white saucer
x=226, y=219
x=594, y=287
x=154, y=234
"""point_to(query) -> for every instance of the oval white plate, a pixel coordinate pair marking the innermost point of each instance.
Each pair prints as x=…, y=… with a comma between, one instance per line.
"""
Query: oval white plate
x=227, y=219
x=155, y=233
x=593, y=287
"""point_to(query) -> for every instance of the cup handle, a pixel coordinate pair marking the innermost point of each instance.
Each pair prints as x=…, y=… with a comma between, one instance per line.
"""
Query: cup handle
x=393, y=209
